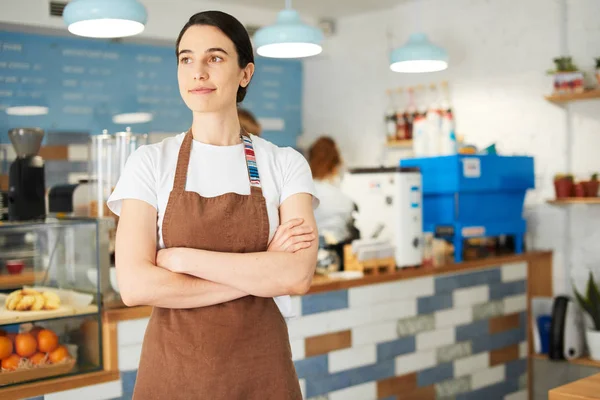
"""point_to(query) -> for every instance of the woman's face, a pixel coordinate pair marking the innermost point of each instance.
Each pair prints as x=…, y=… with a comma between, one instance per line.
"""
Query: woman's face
x=208, y=70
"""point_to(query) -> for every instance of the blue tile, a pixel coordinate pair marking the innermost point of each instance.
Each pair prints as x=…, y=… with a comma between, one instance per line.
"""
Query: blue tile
x=516, y=368
x=449, y=283
x=493, y=392
x=498, y=340
x=431, y=304
x=353, y=377
x=502, y=290
x=64, y=167
x=471, y=331
x=317, y=303
x=390, y=398
x=312, y=367
x=36, y=398
x=523, y=319
x=128, y=381
x=388, y=350
x=436, y=374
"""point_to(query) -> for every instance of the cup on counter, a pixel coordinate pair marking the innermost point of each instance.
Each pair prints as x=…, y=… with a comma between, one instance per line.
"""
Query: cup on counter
x=15, y=267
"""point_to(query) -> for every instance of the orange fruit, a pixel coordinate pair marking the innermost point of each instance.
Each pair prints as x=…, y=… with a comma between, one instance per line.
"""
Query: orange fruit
x=35, y=330
x=47, y=341
x=25, y=344
x=6, y=347
x=11, y=363
x=58, y=355
x=37, y=358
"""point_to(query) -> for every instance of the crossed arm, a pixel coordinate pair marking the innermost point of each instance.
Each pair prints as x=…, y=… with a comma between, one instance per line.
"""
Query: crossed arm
x=189, y=278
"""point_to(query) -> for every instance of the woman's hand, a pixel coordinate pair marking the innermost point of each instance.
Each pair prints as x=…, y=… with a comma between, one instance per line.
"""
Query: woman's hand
x=292, y=236
x=167, y=259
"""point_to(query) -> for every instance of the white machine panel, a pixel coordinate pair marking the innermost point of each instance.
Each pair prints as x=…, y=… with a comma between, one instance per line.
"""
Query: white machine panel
x=389, y=207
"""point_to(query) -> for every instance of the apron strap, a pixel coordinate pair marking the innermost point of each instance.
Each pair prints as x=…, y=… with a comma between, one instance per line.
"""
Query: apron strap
x=253, y=175
x=183, y=162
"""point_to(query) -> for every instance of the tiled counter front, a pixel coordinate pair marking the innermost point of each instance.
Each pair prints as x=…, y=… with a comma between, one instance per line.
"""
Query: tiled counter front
x=459, y=336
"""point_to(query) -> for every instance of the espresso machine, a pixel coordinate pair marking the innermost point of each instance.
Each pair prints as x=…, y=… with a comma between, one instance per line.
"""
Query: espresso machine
x=26, y=184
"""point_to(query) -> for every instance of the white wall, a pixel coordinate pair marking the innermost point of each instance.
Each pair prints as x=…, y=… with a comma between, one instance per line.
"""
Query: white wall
x=499, y=53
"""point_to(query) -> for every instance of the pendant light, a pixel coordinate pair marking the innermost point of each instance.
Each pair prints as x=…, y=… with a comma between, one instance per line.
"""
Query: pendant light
x=105, y=18
x=418, y=54
x=289, y=37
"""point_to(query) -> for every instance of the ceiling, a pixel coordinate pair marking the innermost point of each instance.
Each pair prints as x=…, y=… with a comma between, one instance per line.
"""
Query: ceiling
x=323, y=8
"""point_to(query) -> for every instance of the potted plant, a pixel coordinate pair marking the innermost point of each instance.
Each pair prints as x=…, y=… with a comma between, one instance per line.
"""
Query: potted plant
x=563, y=186
x=591, y=186
x=598, y=69
x=567, y=77
x=591, y=305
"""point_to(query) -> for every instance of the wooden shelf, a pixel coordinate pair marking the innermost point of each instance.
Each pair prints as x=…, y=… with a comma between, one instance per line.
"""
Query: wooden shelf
x=20, y=317
x=399, y=144
x=575, y=200
x=27, y=277
x=565, y=98
x=586, y=361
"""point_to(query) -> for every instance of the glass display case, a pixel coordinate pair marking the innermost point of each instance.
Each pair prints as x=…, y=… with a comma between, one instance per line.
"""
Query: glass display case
x=50, y=320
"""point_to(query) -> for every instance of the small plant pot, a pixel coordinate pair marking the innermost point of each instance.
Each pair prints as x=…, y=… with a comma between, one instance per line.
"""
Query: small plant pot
x=598, y=76
x=593, y=343
x=579, y=190
x=15, y=267
x=591, y=188
x=568, y=82
x=563, y=188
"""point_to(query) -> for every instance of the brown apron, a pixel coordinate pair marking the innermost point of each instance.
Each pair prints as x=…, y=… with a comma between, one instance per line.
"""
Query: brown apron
x=238, y=350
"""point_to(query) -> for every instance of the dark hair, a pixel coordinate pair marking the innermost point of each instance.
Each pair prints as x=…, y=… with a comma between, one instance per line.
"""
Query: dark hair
x=323, y=157
x=233, y=29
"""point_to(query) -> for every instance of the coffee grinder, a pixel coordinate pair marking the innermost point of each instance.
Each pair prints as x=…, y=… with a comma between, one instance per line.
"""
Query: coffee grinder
x=26, y=184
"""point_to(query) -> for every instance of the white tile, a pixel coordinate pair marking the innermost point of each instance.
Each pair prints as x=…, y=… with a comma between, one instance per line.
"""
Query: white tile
x=341, y=360
x=328, y=322
x=413, y=288
x=515, y=304
x=368, y=334
x=394, y=310
x=434, y=339
x=302, y=383
x=132, y=331
x=296, y=306
x=488, y=377
x=514, y=272
x=470, y=296
x=522, y=395
x=129, y=357
x=465, y=366
x=453, y=317
x=77, y=152
x=371, y=294
x=415, y=362
x=523, y=350
x=366, y=391
x=103, y=391
x=298, y=349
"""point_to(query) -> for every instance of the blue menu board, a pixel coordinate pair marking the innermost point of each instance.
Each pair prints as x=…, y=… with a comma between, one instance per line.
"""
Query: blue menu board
x=85, y=82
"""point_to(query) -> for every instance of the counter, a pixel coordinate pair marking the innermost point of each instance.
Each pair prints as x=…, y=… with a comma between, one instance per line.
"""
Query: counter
x=454, y=331
x=583, y=389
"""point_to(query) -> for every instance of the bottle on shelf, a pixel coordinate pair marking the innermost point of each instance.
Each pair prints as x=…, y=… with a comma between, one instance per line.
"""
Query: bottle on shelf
x=390, y=118
x=401, y=132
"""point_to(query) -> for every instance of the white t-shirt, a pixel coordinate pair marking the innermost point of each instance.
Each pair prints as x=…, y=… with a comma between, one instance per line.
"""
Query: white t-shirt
x=212, y=171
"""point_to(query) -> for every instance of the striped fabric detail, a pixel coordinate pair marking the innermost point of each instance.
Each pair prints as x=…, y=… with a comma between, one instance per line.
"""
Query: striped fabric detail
x=251, y=161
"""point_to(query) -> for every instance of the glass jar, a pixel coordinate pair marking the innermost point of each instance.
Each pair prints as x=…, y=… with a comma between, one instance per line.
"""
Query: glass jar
x=101, y=169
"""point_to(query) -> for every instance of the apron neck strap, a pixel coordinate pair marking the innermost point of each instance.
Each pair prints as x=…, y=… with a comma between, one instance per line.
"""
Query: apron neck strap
x=253, y=175
x=183, y=162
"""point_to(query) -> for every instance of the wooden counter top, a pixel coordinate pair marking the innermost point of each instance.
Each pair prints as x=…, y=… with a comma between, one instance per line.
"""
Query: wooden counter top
x=583, y=389
x=324, y=284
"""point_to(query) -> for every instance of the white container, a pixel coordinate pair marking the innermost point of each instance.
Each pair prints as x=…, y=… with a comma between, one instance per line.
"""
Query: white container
x=593, y=343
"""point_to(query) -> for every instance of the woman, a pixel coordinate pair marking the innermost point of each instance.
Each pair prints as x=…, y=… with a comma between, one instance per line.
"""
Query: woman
x=334, y=215
x=212, y=201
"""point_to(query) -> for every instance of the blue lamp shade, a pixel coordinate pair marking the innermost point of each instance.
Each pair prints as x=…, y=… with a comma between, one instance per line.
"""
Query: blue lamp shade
x=418, y=55
x=289, y=37
x=105, y=18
